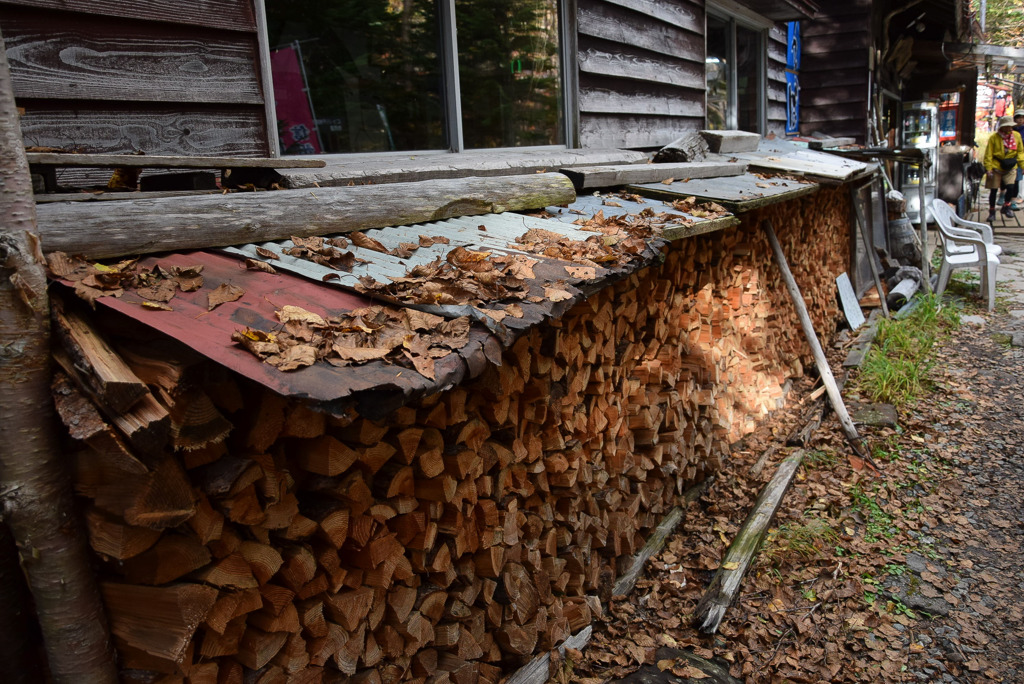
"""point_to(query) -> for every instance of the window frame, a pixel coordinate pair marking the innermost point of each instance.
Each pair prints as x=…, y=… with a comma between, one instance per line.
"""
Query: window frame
x=451, y=93
x=735, y=15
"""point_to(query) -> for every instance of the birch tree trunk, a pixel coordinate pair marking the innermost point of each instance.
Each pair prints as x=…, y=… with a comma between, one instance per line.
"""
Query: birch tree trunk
x=35, y=486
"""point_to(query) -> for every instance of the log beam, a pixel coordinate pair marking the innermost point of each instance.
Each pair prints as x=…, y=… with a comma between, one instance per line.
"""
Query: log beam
x=100, y=230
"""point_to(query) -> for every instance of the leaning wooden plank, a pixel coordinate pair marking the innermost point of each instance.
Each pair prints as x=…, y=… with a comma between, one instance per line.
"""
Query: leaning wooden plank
x=98, y=364
x=655, y=542
x=537, y=670
x=157, y=620
x=622, y=174
x=153, y=161
x=824, y=370
x=725, y=585
x=101, y=229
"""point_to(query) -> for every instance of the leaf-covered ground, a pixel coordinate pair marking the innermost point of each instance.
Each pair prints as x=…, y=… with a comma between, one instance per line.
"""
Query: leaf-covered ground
x=917, y=575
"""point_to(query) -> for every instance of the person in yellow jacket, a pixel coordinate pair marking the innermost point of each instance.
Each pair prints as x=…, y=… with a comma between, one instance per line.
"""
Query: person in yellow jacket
x=1004, y=154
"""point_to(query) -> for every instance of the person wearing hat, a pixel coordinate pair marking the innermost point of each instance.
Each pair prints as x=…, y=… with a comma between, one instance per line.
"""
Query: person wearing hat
x=1004, y=154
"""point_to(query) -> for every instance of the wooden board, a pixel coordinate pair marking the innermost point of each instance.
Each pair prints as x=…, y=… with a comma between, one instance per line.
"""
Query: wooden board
x=141, y=161
x=675, y=14
x=599, y=20
x=631, y=63
x=623, y=174
x=101, y=127
x=625, y=130
x=222, y=14
x=69, y=59
x=359, y=169
x=632, y=100
x=737, y=193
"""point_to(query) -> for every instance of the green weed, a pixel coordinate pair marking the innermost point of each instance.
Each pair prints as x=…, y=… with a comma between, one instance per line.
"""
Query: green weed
x=897, y=367
x=807, y=540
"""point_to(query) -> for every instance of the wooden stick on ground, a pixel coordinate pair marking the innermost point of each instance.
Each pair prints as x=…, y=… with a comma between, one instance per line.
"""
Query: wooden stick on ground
x=656, y=541
x=824, y=369
x=725, y=585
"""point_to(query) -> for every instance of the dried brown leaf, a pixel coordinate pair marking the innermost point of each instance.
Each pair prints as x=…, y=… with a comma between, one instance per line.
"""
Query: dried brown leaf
x=289, y=313
x=366, y=242
x=224, y=293
x=254, y=265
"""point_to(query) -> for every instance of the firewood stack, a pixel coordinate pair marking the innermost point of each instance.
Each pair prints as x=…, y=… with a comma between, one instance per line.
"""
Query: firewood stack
x=245, y=537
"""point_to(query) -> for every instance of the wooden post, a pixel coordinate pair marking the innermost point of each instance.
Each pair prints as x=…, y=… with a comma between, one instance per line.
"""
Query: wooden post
x=824, y=370
x=869, y=249
x=35, y=486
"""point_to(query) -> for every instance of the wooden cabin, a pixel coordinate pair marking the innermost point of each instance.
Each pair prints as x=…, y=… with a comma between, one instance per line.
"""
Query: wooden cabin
x=455, y=512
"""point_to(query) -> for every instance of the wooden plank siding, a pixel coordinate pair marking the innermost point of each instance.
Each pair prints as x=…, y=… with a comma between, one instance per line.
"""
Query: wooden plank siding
x=834, y=70
x=108, y=76
x=641, y=71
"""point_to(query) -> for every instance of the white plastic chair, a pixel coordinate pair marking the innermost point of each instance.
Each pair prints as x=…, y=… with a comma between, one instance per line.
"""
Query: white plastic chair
x=964, y=246
x=956, y=224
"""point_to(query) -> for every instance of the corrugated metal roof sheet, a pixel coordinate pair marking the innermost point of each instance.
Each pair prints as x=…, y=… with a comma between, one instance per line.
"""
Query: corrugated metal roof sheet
x=675, y=225
x=489, y=232
x=377, y=386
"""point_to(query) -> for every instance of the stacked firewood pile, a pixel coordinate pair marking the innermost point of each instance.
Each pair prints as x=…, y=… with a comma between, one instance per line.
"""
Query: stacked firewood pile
x=245, y=537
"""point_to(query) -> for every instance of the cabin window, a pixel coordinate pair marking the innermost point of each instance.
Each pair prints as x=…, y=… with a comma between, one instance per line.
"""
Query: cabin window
x=735, y=75
x=355, y=76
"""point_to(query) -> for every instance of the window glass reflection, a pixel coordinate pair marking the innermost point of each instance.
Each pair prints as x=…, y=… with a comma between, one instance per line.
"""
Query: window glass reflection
x=717, y=72
x=509, y=72
x=356, y=75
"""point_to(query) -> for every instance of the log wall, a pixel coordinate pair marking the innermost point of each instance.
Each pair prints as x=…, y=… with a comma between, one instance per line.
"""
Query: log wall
x=465, y=533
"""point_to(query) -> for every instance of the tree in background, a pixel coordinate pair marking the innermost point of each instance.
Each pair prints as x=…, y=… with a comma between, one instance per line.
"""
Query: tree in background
x=1004, y=25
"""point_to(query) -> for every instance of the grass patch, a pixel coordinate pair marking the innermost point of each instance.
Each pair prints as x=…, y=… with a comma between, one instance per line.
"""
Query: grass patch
x=897, y=367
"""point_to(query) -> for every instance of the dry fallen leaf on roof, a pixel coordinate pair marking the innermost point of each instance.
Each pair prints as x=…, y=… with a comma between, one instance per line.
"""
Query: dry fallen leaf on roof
x=267, y=253
x=581, y=272
x=497, y=315
x=421, y=320
x=288, y=313
x=668, y=181
x=157, y=306
x=359, y=354
x=224, y=293
x=366, y=242
x=160, y=291
x=293, y=358
x=255, y=265
x=556, y=295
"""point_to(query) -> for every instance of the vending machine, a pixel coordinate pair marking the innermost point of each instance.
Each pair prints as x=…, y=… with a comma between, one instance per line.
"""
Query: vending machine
x=920, y=130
